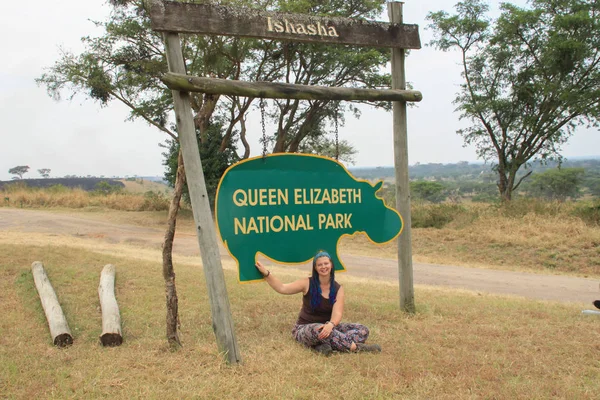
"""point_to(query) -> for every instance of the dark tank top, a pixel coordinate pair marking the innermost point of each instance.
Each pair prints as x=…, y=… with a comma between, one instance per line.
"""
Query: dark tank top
x=320, y=315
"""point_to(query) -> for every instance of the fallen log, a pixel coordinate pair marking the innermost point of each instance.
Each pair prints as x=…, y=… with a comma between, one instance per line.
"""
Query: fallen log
x=59, y=329
x=111, y=319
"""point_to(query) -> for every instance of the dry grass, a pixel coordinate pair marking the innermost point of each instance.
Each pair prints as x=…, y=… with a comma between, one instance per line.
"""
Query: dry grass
x=458, y=345
x=75, y=198
x=141, y=186
x=530, y=236
x=485, y=237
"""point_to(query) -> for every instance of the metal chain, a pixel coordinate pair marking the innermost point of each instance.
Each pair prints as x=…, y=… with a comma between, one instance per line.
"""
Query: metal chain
x=262, y=122
x=337, y=142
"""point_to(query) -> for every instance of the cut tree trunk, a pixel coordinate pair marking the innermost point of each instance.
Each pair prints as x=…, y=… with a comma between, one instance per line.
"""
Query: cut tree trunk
x=111, y=319
x=168, y=271
x=59, y=329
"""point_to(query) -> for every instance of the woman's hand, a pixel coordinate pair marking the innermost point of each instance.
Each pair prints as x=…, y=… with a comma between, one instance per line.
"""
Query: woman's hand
x=325, y=330
x=261, y=268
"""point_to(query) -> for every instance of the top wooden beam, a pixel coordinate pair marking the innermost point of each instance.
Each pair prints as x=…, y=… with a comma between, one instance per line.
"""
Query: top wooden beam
x=169, y=16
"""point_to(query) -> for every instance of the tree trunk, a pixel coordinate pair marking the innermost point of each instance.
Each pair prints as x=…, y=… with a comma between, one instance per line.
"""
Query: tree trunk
x=503, y=183
x=505, y=192
x=59, y=328
x=202, y=118
x=307, y=125
x=168, y=272
x=112, y=334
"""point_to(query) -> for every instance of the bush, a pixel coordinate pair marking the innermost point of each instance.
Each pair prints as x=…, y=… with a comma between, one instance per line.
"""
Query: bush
x=18, y=186
x=58, y=189
x=519, y=207
x=435, y=215
x=589, y=212
x=155, y=202
x=104, y=188
x=486, y=198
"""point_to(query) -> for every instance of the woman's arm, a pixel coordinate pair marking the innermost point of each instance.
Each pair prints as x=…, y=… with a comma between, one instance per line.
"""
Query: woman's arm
x=301, y=285
x=338, y=307
x=336, y=315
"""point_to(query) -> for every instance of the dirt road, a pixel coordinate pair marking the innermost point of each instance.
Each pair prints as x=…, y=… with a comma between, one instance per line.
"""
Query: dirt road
x=543, y=287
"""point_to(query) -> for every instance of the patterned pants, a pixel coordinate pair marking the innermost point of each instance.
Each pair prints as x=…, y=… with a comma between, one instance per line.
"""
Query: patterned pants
x=340, y=339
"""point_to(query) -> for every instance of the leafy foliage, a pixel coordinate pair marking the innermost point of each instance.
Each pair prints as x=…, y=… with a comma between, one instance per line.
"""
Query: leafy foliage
x=214, y=162
x=19, y=171
x=44, y=172
x=104, y=188
x=530, y=78
x=557, y=184
x=589, y=212
x=126, y=63
x=435, y=215
x=427, y=190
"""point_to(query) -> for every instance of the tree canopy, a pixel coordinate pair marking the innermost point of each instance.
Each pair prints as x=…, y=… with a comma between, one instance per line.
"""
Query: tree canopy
x=19, y=171
x=126, y=62
x=44, y=172
x=530, y=78
x=428, y=191
x=557, y=184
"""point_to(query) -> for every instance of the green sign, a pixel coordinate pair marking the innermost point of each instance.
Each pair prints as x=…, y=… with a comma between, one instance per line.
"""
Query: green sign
x=289, y=206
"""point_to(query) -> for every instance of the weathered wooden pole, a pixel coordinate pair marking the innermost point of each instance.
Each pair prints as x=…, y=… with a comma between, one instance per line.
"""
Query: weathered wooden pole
x=59, y=329
x=275, y=90
x=405, y=267
x=111, y=319
x=205, y=228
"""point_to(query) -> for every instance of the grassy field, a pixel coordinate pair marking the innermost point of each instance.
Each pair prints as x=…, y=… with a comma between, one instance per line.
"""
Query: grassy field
x=458, y=345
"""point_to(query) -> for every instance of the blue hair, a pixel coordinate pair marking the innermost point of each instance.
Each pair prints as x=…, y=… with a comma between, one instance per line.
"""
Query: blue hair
x=315, y=285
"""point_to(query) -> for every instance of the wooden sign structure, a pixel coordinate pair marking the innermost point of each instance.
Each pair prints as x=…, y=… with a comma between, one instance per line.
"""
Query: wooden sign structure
x=288, y=207
x=173, y=18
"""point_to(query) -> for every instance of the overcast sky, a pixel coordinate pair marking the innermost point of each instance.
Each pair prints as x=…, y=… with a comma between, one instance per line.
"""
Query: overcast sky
x=79, y=138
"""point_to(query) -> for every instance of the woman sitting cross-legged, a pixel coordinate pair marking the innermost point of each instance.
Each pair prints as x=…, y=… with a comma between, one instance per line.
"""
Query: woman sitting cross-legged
x=319, y=324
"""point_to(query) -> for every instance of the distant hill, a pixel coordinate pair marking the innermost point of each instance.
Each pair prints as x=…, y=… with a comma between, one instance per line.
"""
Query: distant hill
x=466, y=170
x=159, y=179
x=87, y=184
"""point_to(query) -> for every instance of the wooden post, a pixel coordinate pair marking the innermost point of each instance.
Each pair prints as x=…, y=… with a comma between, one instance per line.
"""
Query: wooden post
x=111, y=319
x=59, y=329
x=274, y=90
x=205, y=228
x=405, y=268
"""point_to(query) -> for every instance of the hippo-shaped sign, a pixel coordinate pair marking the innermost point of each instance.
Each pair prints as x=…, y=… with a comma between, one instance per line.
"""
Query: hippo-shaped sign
x=289, y=206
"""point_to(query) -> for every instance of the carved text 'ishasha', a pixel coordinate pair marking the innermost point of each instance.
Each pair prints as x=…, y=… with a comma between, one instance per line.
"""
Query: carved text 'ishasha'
x=285, y=26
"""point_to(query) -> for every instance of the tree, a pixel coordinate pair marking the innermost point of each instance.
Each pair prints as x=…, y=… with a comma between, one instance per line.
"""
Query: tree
x=214, y=162
x=44, y=172
x=592, y=182
x=557, y=184
x=19, y=170
x=342, y=151
x=127, y=61
x=428, y=191
x=530, y=78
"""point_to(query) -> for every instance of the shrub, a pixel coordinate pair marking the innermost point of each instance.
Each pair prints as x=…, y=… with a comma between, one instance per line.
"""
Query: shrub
x=435, y=215
x=15, y=187
x=104, y=188
x=154, y=201
x=58, y=189
x=589, y=212
x=519, y=207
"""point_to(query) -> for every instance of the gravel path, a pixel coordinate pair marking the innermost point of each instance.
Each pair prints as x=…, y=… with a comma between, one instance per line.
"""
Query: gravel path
x=536, y=286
